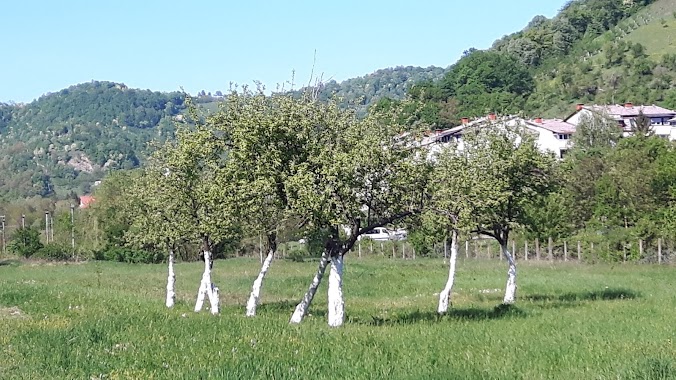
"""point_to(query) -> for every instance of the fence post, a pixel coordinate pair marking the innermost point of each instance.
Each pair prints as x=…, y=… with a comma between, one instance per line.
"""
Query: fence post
x=565, y=251
x=403, y=251
x=47, y=226
x=413, y=249
x=72, y=229
x=4, y=245
x=537, y=249
x=371, y=247
x=382, y=249
x=579, y=251
x=550, y=249
x=525, y=248
x=659, y=245
x=394, y=253
x=476, y=251
x=359, y=247
x=466, y=249
x=640, y=248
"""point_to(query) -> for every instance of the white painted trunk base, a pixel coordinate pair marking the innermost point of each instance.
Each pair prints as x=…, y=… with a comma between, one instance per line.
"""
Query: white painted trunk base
x=171, y=282
x=207, y=289
x=255, y=295
x=336, y=302
x=445, y=295
x=510, y=288
x=304, y=304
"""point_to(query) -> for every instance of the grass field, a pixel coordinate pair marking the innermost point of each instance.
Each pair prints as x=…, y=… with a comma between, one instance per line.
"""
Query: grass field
x=658, y=35
x=102, y=320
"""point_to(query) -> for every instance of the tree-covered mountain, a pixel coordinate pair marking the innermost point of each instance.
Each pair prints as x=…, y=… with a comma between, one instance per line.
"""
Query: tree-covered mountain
x=64, y=141
x=392, y=83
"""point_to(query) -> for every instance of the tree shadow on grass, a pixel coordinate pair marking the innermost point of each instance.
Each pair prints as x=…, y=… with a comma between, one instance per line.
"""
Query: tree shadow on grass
x=467, y=314
x=597, y=295
x=287, y=306
x=9, y=262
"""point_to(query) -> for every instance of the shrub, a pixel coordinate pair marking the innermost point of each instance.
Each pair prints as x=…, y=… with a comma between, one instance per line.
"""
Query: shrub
x=130, y=255
x=25, y=242
x=53, y=252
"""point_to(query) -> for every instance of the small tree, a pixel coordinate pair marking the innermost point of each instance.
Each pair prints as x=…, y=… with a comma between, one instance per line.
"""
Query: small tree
x=642, y=126
x=358, y=174
x=509, y=172
x=449, y=206
x=25, y=242
x=596, y=132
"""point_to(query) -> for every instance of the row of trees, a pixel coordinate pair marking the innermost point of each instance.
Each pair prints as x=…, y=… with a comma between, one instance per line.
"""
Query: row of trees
x=263, y=162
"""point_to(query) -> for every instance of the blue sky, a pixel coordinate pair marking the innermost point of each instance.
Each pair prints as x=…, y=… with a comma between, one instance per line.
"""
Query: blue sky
x=164, y=45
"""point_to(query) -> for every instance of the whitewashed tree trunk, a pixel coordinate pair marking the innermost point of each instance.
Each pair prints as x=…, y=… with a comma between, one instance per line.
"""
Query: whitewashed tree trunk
x=445, y=295
x=510, y=288
x=304, y=305
x=336, y=302
x=255, y=295
x=171, y=281
x=214, y=299
x=207, y=288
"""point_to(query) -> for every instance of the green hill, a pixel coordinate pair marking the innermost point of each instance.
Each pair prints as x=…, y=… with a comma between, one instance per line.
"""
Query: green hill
x=654, y=28
x=64, y=141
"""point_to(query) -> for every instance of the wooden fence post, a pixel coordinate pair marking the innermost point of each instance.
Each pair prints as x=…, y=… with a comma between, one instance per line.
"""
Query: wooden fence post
x=537, y=249
x=565, y=251
x=579, y=251
x=371, y=245
x=525, y=248
x=640, y=248
x=466, y=249
x=382, y=249
x=394, y=253
x=359, y=247
x=550, y=249
x=403, y=251
x=659, y=250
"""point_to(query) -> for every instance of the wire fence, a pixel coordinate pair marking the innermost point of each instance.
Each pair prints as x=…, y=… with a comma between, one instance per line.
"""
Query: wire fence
x=587, y=250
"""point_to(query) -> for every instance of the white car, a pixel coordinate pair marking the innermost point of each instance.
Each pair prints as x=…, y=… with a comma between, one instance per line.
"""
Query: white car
x=383, y=234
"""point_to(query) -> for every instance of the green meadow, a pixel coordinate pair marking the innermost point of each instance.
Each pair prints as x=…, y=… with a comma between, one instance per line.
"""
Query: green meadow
x=102, y=320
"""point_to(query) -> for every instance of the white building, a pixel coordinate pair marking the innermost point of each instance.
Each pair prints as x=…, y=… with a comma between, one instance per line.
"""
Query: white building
x=663, y=121
x=553, y=135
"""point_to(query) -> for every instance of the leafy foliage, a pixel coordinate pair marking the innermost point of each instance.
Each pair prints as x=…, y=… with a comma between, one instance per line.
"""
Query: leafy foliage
x=25, y=242
x=67, y=140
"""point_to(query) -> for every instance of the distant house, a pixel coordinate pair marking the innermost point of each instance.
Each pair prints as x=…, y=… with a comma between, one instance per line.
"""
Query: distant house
x=553, y=135
x=663, y=121
x=86, y=201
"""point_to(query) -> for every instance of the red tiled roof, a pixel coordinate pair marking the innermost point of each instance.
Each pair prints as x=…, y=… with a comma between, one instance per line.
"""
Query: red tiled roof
x=86, y=201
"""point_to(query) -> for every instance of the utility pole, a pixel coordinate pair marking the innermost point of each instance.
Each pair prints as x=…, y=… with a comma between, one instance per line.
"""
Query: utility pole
x=23, y=221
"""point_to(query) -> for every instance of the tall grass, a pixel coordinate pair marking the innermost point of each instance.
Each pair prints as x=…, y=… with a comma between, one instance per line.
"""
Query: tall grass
x=107, y=320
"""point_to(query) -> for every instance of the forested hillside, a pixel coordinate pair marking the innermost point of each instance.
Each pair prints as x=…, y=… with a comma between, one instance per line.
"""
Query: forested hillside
x=588, y=53
x=64, y=141
x=393, y=83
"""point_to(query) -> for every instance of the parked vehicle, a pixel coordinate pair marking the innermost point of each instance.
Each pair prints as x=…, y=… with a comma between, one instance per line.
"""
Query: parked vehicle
x=383, y=234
